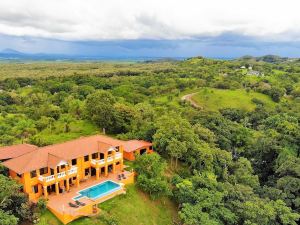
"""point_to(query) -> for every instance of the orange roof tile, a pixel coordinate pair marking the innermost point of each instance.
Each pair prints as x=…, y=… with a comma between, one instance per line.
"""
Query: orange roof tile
x=28, y=162
x=132, y=145
x=104, y=147
x=63, y=151
x=54, y=161
x=52, y=155
x=13, y=151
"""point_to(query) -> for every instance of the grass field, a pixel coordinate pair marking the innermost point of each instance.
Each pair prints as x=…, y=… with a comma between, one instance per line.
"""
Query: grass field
x=134, y=208
x=215, y=99
x=78, y=128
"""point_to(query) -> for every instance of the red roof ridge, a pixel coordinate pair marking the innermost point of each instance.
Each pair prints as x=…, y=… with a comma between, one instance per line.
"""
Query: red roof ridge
x=68, y=141
x=8, y=146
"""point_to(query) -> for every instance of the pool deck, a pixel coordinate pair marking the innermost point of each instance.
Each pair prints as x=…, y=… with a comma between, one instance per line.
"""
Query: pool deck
x=59, y=204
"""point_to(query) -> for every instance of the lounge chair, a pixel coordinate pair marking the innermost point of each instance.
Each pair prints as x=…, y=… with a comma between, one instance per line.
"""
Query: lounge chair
x=73, y=205
x=119, y=177
x=123, y=176
x=79, y=203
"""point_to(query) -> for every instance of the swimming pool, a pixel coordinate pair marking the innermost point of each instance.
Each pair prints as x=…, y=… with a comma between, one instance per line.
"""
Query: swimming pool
x=98, y=190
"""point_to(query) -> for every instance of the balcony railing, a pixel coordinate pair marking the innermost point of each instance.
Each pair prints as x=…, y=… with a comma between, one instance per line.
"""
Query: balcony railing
x=110, y=158
x=47, y=179
x=98, y=161
x=95, y=162
x=72, y=170
x=60, y=175
x=118, y=155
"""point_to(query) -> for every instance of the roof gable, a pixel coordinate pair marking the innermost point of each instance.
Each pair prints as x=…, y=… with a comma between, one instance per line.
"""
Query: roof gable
x=54, y=161
x=13, y=151
x=132, y=145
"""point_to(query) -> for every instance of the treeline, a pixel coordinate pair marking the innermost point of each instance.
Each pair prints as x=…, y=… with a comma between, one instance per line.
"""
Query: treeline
x=229, y=167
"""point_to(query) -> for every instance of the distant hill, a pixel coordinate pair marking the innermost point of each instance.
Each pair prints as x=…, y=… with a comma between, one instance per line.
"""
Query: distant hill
x=11, y=54
x=14, y=55
x=11, y=51
x=266, y=58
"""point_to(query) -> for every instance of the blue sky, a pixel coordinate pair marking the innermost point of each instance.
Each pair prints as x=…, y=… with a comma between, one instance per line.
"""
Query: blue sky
x=170, y=28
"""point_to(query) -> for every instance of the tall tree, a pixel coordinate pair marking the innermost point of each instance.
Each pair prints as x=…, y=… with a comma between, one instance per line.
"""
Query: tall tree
x=176, y=149
x=100, y=109
x=150, y=169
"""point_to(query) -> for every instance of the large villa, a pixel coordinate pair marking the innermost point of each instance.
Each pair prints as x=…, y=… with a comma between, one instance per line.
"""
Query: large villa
x=76, y=175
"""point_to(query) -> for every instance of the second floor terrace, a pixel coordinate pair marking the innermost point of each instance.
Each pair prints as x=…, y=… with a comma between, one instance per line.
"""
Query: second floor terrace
x=105, y=159
x=58, y=176
x=59, y=169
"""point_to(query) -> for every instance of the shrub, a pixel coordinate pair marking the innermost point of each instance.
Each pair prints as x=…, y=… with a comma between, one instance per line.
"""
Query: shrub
x=7, y=219
x=42, y=205
x=108, y=220
x=27, y=211
x=257, y=101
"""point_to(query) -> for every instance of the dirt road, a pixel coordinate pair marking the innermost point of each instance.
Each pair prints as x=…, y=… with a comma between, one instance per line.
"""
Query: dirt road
x=190, y=100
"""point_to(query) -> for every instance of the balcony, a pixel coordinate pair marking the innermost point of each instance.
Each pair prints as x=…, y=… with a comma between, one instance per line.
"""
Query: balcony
x=73, y=170
x=110, y=159
x=98, y=162
x=46, y=179
x=118, y=155
x=59, y=176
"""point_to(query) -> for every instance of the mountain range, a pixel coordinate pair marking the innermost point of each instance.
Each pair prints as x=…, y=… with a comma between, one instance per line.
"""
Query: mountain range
x=9, y=54
x=14, y=55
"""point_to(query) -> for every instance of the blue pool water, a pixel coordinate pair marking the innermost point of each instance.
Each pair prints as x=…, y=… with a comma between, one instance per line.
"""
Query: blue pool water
x=98, y=190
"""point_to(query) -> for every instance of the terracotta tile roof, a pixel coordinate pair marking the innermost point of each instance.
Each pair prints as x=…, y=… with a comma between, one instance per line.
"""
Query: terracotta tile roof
x=63, y=151
x=13, y=151
x=54, y=161
x=81, y=146
x=132, y=145
x=28, y=162
x=52, y=155
x=104, y=147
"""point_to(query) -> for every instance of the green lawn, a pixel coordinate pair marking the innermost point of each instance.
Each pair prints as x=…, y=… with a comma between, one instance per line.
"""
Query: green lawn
x=134, y=208
x=77, y=128
x=215, y=99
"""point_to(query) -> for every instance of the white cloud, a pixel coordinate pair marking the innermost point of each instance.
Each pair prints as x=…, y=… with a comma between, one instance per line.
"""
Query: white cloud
x=151, y=19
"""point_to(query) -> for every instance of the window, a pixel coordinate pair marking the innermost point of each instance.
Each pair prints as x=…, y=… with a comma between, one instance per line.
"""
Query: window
x=62, y=166
x=142, y=151
x=35, y=189
x=94, y=155
x=19, y=175
x=118, y=163
x=87, y=171
x=101, y=156
x=86, y=158
x=33, y=174
x=150, y=147
x=74, y=162
x=43, y=170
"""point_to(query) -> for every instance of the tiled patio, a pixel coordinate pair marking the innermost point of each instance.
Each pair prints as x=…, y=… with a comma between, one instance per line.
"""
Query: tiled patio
x=60, y=203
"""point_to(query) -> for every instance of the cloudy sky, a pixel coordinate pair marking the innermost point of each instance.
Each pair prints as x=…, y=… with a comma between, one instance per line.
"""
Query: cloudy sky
x=162, y=28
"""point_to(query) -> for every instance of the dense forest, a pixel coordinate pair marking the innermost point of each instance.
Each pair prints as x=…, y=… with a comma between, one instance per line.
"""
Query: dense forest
x=235, y=155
